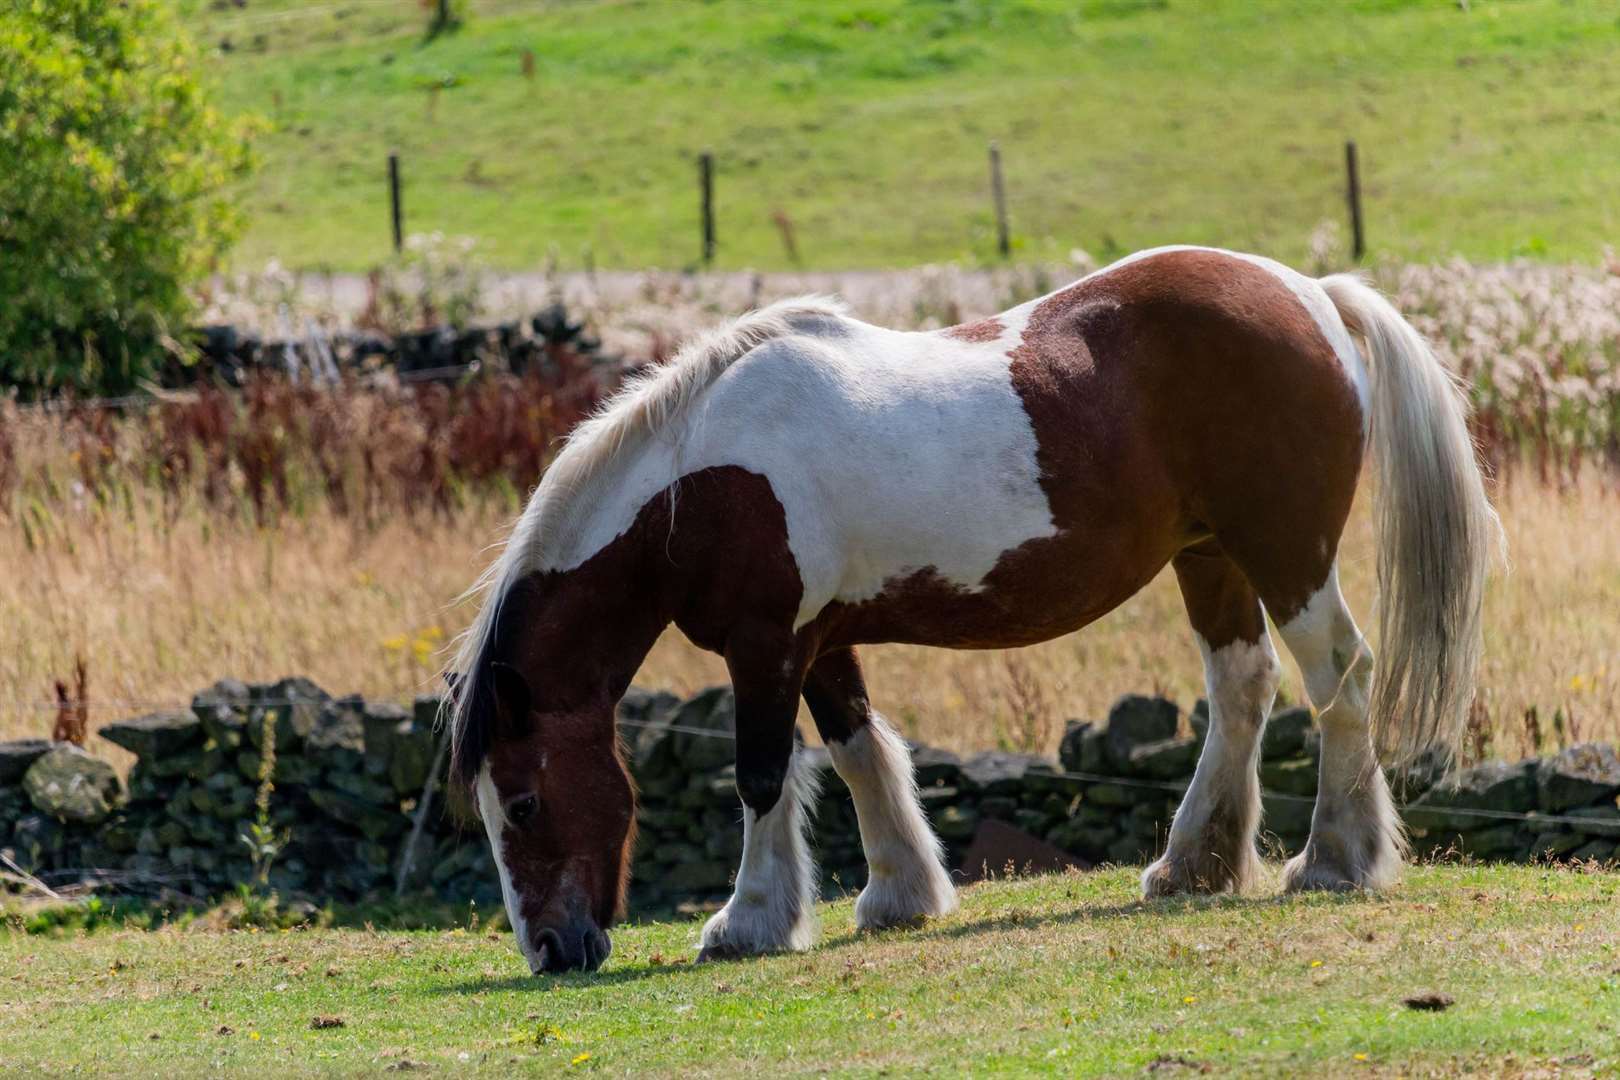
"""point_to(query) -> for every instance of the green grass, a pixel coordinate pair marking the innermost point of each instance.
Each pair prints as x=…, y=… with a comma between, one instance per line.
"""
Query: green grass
x=1068, y=975
x=1123, y=123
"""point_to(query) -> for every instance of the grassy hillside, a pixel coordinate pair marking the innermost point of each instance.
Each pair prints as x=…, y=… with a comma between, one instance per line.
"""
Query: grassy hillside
x=1124, y=123
x=1067, y=975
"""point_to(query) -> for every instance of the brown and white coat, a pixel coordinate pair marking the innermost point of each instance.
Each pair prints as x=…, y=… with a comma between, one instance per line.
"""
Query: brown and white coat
x=802, y=483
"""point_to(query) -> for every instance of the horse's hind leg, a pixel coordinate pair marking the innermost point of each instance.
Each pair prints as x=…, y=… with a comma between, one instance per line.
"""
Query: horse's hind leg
x=1211, y=847
x=1356, y=839
x=906, y=879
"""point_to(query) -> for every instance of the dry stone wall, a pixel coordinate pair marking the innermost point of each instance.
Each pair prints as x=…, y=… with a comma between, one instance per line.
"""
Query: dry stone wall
x=348, y=774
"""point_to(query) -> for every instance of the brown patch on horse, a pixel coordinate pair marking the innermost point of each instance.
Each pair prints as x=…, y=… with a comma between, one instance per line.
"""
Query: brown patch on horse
x=835, y=691
x=1258, y=424
x=1221, y=604
x=710, y=555
x=981, y=332
x=1182, y=396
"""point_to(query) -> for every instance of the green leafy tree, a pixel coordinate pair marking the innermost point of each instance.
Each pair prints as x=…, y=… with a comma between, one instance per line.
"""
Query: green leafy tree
x=115, y=176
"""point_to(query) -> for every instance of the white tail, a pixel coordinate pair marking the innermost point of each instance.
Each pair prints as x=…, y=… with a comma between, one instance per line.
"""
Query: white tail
x=1436, y=532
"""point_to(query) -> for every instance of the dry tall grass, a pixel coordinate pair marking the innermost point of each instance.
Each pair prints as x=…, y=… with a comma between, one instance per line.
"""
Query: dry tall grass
x=139, y=541
x=160, y=606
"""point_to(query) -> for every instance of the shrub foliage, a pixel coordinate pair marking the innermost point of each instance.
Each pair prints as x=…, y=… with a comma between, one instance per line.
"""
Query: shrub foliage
x=114, y=178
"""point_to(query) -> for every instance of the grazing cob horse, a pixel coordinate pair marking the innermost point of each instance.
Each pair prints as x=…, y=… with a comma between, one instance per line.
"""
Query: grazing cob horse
x=802, y=483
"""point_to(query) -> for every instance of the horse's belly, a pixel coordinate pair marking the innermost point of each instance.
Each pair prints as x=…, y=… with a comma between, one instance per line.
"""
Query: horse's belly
x=1039, y=590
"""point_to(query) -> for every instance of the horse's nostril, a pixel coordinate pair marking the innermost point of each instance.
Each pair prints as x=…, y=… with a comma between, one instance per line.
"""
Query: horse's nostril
x=596, y=947
x=550, y=953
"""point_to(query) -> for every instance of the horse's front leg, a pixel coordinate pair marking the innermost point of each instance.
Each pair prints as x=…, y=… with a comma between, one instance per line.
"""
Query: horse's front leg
x=772, y=906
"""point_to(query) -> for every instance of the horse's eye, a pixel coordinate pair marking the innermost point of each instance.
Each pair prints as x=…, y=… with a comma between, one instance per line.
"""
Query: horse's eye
x=521, y=810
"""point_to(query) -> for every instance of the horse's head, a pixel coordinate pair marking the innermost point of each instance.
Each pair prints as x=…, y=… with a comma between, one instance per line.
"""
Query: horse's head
x=559, y=809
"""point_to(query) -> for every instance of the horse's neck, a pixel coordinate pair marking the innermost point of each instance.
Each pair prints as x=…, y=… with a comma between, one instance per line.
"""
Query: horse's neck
x=593, y=618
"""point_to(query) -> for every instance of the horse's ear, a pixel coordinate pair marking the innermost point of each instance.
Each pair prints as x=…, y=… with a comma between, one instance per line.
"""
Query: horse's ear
x=453, y=681
x=513, y=701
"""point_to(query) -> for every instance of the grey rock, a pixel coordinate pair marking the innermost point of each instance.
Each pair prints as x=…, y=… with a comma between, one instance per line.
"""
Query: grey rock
x=1166, y=759
x=1136, y=719
x=644, y=717
x=1599, y=821
x=157, y=735
x=296, y=703
x=36, y=840
x=933, y=766
x=17, y=755
x=1001, y=772
x=1494, y=842
x=1551, y=845
x=1111, y=795
x=364, y=788
x=1285, y=733
x=1493, y=785
x=1040, y=785
x=1578, y=776
x=196, y=762
x=374, y=822
x=711, y=710
x=414, y=748
x=1088, y=840
x=698, y=876
x=641, y=706
x=290, y=768
x=1071, y=753
x=71, y=786
x=427, y=710
x=337, y=728
x=222, y=711
x=1293, y=777
x=1131, y=849
x=956, y=822
x=378, y=723
x=231, y=693
x=1286, y=816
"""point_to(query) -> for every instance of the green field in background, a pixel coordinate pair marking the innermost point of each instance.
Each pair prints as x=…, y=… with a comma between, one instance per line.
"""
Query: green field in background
x=1487, y=133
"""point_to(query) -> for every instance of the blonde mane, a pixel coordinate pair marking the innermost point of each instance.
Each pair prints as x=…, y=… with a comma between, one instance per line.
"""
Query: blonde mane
x=648, y=406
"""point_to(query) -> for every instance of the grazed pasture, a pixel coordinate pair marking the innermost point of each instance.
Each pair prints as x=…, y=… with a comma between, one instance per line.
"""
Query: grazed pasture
x=1485, y=128
x=1068, y=975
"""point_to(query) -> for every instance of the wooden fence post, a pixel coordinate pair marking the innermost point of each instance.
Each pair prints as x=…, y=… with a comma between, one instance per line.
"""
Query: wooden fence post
x=398, y=213
x=998, y=194
x=1352, y=166
x=706, y=183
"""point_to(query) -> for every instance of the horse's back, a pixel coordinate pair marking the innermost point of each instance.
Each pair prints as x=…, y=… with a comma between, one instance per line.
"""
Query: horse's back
x=1054, y=456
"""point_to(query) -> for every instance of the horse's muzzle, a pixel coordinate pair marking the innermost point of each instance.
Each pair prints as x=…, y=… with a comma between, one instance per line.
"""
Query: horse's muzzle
x=580, y=948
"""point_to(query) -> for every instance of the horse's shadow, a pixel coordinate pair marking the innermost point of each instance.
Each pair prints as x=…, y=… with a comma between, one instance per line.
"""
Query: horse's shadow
x=945, y=929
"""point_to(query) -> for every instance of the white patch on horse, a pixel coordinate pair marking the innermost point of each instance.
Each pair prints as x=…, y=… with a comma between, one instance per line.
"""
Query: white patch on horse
x=906, y=878
x=1356, y=839
x=1241, y=681
x=890, y=453
x=772, y=905
x=493, y=815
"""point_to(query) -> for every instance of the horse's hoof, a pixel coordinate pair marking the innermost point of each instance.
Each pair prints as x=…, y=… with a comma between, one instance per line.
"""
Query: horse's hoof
x=1180, y=877
x=1301, y=874
x=719, y=953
